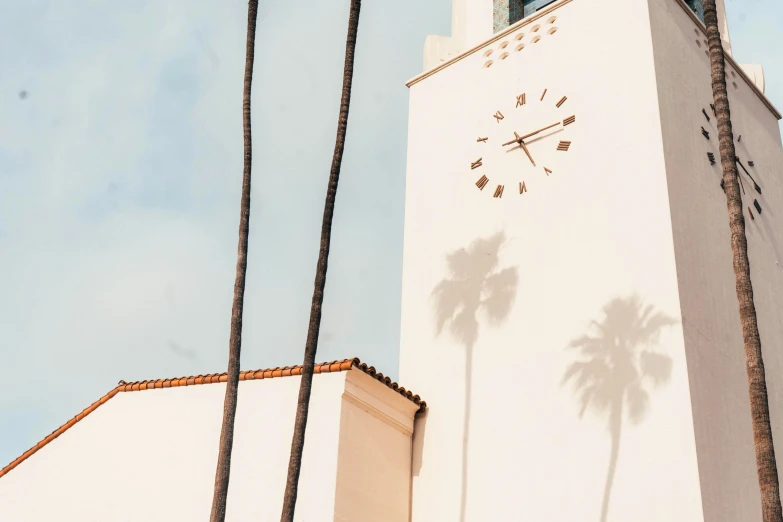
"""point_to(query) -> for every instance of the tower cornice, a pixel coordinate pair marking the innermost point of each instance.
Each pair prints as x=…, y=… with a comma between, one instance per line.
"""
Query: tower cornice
x=557, y=5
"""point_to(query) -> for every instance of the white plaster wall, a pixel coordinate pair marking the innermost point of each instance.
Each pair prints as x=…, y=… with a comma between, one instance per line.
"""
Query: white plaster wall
x=597, y=230
x=713, y=335
x=475, y=22
x=723, y=24
x=374, y=463
x=151, y=455
x=471, y=23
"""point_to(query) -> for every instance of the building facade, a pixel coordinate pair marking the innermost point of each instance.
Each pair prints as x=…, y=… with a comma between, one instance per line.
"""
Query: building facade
x=568, y=308
x=509, y=12
x=147, y=451
x=697, y=7
x=567, y=269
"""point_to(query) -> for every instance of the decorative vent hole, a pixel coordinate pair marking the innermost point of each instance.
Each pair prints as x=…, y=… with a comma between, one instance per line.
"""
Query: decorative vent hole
x=696, y=31
x=520, y=47
x=535, y=28
x=707, y=54
x=504, y=56
x=519, y=36
x=698, y=44
x=735, y=85
x=536, y=39
x=503, y=45
x=552, y=30
x=551, y=20
x=706, y=43
x=733, y=75
x=488, y=52
x=487, y=63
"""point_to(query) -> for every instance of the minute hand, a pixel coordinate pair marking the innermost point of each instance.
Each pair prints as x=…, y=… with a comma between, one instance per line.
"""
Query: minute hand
x=539, y=130
x=520, y=138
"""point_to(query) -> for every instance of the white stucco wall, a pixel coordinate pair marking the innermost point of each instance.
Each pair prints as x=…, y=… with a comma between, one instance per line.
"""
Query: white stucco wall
x=595, y=232
x=716, y=361
x=151, y=455
x=374, y=465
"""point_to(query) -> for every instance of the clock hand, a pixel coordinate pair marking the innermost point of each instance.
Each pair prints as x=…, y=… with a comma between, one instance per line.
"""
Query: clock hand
x=524, y=147
x=755, y=185
x=521, y=144
x=520, y=138
x=742, y=185
x=516, y=139
x=539, y=130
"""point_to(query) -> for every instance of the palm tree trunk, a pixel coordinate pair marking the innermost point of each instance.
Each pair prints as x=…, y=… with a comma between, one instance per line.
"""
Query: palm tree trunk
x=222, y=474
x=615, y=427
x=466, y=429
x=759, y=404
x=311, y=345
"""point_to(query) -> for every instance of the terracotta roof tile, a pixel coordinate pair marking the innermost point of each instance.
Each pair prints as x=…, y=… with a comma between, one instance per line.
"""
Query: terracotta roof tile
x=286, y=371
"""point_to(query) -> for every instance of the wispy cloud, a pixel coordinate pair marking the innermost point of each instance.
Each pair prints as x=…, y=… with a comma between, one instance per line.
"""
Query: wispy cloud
x=180, y=351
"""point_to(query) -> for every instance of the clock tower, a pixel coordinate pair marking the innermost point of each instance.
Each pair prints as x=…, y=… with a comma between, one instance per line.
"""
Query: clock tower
x=568, y=302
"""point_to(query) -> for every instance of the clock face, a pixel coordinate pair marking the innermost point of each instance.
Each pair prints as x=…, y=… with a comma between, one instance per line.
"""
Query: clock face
x=750, y=190
x=520, y=140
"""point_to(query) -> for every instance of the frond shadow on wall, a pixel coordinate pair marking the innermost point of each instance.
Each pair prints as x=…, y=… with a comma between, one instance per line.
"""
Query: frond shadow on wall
x=617, y=368
x=475, y=286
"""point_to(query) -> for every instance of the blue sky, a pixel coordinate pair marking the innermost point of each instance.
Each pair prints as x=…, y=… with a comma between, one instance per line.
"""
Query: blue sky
x=120, y=175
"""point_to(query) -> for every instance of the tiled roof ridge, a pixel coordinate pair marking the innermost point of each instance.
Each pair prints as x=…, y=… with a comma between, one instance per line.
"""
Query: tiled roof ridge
x=269, y=373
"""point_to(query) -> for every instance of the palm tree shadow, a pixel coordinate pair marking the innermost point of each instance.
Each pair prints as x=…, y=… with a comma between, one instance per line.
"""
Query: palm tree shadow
x=474, y=285
x=617, y=369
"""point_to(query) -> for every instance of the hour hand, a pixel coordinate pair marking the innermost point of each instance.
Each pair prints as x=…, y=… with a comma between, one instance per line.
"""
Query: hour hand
x=520, y=139
x=524, y=147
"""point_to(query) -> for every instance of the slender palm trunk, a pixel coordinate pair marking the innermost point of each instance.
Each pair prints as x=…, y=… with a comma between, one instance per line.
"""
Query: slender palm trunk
x=311, y=345
x=222, y=474
x=615, y=430
x=466, y=429
x=759, y=404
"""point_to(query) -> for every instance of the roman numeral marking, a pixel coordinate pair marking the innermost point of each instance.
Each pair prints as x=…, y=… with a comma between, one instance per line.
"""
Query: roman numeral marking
x=483, y=140
x=475, y=164
x=712, y=106
x=482, y=182
x=548, y=171
x=498, y=116
x=705, y=133
x=751, y=214
x=521, y=99
x=705, y=114
x=562, y=101
x=569, y=120
x=542, y=95
x=522, y=187
x=711, y=157
x=758, y=207
x=498, y=192
x=739, y=139
x=563, y=145
x=751, y=164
